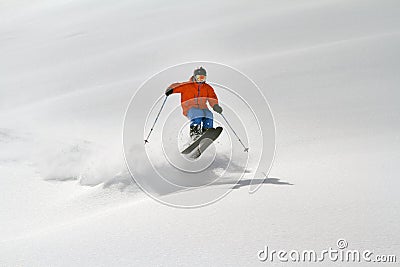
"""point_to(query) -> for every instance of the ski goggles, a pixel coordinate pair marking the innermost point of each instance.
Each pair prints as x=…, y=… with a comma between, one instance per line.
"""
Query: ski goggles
x=200, y=78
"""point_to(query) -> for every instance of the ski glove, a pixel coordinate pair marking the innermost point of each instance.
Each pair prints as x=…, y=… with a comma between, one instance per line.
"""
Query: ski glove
x=168, y=91
x=217, y=108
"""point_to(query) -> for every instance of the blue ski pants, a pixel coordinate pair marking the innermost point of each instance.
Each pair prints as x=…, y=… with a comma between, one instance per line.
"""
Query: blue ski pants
x=198, y=116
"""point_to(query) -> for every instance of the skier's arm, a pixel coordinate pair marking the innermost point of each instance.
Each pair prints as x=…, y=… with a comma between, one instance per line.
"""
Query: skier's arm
x=211, y=97
x=174, y=88
x=213, y=100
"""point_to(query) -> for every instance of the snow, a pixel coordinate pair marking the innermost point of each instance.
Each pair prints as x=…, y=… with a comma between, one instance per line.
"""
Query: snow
x=69, y=69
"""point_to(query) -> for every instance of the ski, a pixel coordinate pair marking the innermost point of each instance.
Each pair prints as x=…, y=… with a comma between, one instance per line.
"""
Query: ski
x=203, y=142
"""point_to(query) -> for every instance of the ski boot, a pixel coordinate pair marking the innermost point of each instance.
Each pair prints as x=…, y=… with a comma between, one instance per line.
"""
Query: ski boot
x=195, y=132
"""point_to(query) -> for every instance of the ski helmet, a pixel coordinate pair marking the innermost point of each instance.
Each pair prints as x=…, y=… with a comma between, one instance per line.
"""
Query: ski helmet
x=200, y=71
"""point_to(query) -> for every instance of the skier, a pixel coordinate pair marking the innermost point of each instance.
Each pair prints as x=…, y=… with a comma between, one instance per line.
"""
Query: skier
x=194, y=96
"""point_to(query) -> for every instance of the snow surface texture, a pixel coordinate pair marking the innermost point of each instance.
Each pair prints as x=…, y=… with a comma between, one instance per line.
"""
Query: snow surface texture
x=329, y=70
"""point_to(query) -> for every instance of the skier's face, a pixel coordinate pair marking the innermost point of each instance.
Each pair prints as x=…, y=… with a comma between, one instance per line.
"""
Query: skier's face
x=200, y=78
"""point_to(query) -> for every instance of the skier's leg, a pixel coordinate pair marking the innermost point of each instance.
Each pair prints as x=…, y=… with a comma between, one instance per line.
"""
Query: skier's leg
x=207, y=119
x=195, y=116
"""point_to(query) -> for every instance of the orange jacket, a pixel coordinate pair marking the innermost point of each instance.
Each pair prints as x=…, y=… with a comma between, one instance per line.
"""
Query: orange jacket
x=194, y=95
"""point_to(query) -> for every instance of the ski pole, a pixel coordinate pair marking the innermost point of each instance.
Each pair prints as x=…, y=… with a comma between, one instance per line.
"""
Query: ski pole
x=246, y=149
x=158, y=115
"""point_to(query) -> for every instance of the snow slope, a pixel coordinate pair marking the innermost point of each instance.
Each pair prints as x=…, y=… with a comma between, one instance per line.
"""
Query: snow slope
x=69, y=68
